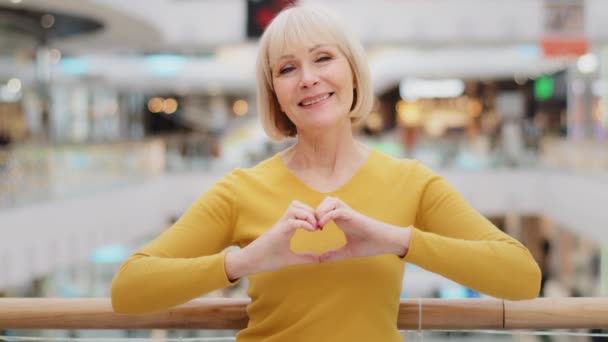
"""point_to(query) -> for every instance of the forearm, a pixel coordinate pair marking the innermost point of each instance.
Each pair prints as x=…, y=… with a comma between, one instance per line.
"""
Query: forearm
x=147, y=284
x=497, y=268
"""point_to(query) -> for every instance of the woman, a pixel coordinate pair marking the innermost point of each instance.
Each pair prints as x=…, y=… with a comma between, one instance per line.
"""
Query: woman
x=325, y=226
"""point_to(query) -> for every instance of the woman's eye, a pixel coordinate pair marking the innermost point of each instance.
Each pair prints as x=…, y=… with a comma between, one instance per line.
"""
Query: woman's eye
x=285, y=70
x=323, y=59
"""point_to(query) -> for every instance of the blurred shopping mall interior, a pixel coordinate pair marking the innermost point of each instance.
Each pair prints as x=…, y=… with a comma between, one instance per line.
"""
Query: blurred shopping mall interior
x=116, y=115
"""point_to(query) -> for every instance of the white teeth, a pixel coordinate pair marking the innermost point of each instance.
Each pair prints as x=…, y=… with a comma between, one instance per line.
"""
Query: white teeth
x=308, y=103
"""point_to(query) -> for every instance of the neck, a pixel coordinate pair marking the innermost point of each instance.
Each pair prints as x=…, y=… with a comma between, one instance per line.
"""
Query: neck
x=326, y=153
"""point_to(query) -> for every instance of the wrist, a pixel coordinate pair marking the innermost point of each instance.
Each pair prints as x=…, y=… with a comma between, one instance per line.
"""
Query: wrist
x=235, y=265
x=400, y=241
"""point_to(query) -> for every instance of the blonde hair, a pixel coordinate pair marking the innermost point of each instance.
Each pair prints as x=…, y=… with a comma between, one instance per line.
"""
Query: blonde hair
x=292, y=27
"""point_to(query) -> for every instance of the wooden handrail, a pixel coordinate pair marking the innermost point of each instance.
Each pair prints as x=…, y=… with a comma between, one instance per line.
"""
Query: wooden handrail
x=228, y=313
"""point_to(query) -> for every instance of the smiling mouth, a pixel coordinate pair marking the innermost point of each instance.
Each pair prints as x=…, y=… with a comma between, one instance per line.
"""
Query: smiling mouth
x=312, y=102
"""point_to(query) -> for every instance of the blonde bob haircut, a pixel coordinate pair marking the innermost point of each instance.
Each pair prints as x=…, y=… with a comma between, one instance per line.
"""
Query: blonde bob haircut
x=307, y=25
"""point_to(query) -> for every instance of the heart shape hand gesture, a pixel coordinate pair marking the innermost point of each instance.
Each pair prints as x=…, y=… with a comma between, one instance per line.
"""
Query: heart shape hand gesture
x=364, y=237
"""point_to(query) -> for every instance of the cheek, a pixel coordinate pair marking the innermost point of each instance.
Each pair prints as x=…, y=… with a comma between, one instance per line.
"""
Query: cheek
x=281, y=94
x=346, y=79
x=348, y=86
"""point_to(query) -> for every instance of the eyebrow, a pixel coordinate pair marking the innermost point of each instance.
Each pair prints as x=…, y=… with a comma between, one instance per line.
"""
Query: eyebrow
x=309, y=50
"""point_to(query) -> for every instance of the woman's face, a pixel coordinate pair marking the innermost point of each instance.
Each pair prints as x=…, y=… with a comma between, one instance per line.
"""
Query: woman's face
x=314, y=86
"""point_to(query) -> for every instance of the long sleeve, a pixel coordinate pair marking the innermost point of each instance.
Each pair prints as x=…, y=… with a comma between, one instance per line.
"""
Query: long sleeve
x=185, y=261
x=452, y=239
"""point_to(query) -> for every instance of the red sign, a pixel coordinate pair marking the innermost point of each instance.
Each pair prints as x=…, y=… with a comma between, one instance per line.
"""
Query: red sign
x=564, y=46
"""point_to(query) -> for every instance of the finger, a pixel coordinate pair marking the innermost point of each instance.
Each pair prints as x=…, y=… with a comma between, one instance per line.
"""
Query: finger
x=293, y=224
x=332, y=215
x=334, y=255
x=328, y=204
x=306, y=258
x=304, y=211
x=302, y=205
x=302, y=214
x=295, y=204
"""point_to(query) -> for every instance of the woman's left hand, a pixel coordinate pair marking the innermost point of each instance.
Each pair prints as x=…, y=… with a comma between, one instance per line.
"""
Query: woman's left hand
x=364, y=236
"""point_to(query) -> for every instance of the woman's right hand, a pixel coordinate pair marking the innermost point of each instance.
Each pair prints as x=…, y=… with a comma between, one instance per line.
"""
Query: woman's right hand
x=271, y=250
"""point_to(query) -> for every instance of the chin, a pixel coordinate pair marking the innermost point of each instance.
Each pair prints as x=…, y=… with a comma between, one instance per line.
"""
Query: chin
x=324, y=125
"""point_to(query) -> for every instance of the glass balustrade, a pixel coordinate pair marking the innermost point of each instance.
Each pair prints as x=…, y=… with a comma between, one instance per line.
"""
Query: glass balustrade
x=34, y=173
x=229, y=335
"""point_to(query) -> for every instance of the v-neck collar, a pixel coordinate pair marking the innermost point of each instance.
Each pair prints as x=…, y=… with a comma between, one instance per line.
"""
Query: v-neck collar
x=361, y=170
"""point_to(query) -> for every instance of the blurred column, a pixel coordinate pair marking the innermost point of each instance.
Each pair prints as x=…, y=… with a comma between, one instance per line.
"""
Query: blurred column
x=584, y=94
x=564, y=37
x=32, y=109
x=43, y=80
x=604, y=271
x=510, y=108
x=218, y=109
x=130, y=110
x=576, y=104
x=602, y=89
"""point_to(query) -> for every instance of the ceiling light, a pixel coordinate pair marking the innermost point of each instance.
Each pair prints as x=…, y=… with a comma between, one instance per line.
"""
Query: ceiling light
x=14, y=85
x=47, y=21
x=156, y=105
x=170, y=106
x=240, y=107
x=413, y=89
x=587, y=63
x=55, y=55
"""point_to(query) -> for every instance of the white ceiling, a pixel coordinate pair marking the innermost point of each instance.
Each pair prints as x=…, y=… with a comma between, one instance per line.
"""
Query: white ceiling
x=121, y=28
x=190, y=24
x=425, y=38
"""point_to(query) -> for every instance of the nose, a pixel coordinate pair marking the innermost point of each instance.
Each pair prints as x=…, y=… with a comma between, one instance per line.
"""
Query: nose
x=308, y=78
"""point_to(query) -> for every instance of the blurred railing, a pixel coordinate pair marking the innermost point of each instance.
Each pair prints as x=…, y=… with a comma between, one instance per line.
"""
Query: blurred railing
x=584, y=156
x=32, y=173
x=226, y=313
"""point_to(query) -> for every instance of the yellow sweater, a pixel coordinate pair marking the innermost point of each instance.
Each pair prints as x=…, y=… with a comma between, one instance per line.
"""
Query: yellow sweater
x=351, y=300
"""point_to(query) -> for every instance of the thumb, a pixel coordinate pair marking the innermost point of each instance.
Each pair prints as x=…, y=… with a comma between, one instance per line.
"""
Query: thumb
x=334, y=255
x=305, y=258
